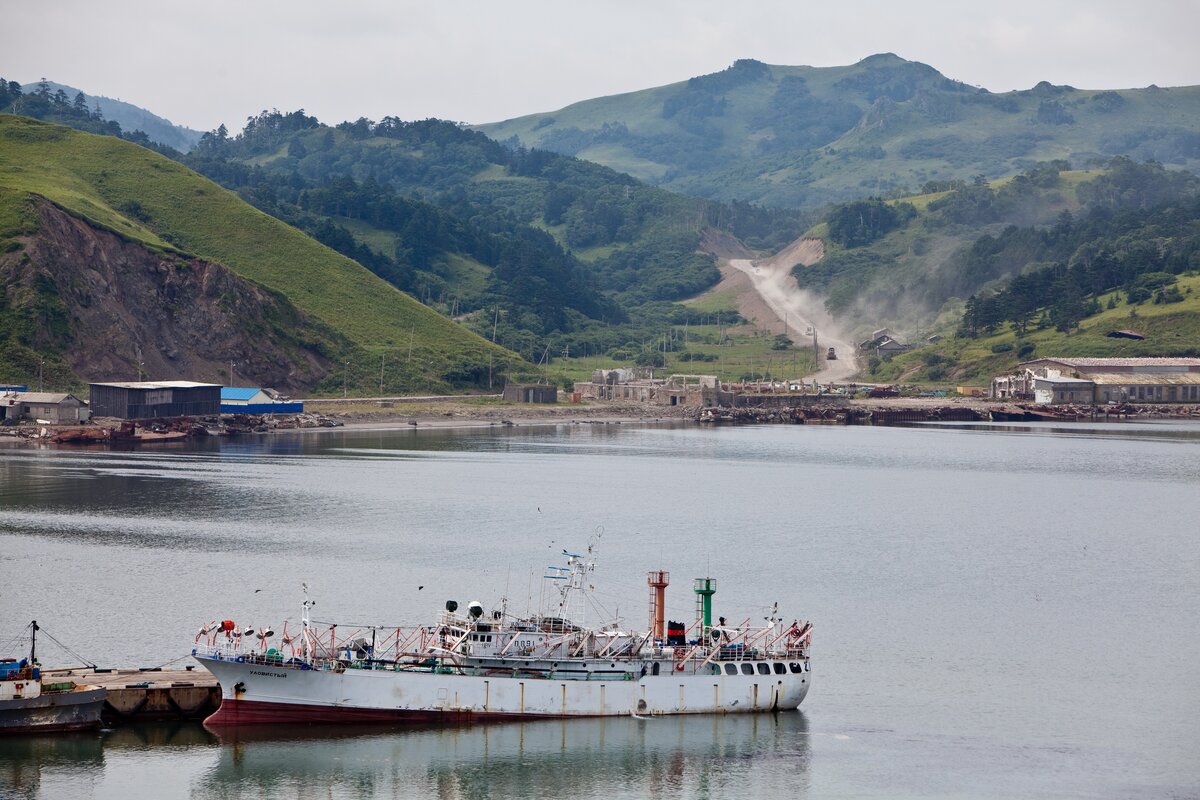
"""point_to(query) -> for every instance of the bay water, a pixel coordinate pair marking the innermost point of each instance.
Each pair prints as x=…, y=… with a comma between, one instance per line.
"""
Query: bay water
x=999, y=610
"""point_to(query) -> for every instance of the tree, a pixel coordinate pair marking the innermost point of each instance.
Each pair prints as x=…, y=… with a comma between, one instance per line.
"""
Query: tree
x=650, y=358
x=80, y=104
x=863, y=221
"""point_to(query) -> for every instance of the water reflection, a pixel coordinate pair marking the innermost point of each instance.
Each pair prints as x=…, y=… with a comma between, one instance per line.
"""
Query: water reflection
x=608, y=758
x=26, y=760
x=601, y=758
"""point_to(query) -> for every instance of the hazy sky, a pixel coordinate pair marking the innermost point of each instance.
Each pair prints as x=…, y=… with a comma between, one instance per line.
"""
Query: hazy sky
x=209, y=62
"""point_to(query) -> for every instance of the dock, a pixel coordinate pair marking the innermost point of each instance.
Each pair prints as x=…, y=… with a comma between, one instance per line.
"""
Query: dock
x=148, y=694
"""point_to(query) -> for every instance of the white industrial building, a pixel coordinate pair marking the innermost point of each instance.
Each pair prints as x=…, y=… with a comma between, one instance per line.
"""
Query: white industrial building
x=1102, y=381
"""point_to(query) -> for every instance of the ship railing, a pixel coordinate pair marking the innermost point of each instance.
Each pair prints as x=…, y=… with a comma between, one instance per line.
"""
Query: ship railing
x=234, y=652
x=697, y=658
x=380, y=644
x=325, y=645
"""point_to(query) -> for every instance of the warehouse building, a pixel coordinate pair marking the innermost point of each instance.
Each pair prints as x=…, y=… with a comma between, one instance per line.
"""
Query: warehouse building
x=51, y=407
x=1102, y=380
x=151, y=399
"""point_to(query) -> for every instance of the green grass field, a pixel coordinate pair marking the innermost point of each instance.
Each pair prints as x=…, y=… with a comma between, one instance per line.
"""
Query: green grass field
x=724, y=301
x=746, y=351
x=147, y=198
x=380, y=241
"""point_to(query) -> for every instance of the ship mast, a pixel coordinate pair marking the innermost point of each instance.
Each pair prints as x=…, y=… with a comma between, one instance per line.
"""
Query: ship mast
x=305, y=635
x=575, y=577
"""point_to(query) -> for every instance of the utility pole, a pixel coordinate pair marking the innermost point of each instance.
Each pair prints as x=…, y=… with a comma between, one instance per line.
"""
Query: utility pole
x=232, y=382
x=491, y=353
x=345, y=380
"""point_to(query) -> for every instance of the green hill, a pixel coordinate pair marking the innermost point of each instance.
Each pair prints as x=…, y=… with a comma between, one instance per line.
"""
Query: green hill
x=552, y=254
x=805, y=136
x=167, y=208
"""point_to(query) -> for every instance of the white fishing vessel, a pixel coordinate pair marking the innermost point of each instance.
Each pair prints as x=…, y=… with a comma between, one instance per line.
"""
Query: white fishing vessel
x=476, y=665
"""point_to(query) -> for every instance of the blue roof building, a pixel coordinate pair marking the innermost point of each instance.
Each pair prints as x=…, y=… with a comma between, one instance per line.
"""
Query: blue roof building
x=238, y=394
x=248, y=400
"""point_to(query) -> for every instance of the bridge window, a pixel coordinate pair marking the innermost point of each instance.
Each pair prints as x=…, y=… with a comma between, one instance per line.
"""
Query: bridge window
x=795, y=667
x=731, y=669
x=763, y=669
x=747, y=669
x=779, y=668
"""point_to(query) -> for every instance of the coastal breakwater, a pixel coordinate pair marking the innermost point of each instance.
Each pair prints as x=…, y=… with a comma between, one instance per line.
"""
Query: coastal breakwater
x=846, y=413
x=836, y=415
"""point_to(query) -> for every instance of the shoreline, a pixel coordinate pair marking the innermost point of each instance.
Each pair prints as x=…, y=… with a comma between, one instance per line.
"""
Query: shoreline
x=459, y=414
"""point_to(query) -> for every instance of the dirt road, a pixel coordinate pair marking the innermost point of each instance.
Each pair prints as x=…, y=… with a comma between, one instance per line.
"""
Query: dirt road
x=801, y=311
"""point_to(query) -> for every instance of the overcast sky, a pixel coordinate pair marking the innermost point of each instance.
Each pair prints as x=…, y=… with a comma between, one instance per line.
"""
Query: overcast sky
x=204, y=63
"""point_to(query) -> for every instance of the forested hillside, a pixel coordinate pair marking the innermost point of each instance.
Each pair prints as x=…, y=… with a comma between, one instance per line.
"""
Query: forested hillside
x=65, y=105
x=1127, y=258
x=805, y=136
x=548, y=253
x=130, y=117
x=898, y=262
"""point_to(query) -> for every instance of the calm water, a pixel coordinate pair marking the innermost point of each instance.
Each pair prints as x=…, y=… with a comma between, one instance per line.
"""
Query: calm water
x=1001, y=611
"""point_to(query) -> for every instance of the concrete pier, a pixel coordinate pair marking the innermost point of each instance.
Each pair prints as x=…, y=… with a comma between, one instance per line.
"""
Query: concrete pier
x=150, y=694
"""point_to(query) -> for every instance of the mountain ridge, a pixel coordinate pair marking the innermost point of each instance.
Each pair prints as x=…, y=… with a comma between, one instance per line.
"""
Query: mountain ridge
x=805, y=136
x=131, y=117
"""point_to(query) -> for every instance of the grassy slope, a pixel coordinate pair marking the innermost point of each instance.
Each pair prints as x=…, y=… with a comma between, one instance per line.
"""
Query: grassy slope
x=841, y=169
x=97, y=177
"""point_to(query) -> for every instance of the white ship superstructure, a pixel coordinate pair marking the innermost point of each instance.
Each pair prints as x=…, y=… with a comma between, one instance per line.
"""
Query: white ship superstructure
x=473, y=665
